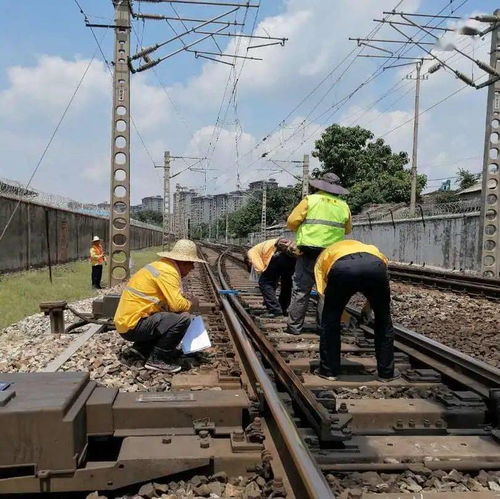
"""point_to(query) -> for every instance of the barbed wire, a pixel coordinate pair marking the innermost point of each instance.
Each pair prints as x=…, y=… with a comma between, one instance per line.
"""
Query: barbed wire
x=17, y=191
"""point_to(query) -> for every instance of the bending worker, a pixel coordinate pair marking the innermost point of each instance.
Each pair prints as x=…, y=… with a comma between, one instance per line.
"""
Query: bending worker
x=274, y=260
x=319, y=220
x=97, y=258
x=153, y=313
x=343, y=269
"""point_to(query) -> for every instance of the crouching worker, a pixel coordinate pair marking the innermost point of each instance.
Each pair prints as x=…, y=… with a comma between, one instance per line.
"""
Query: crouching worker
x=343, y=269
x=153, y=312
x=274, y=260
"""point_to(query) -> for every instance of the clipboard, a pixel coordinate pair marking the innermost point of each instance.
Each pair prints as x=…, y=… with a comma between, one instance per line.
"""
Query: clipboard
x=196, y=337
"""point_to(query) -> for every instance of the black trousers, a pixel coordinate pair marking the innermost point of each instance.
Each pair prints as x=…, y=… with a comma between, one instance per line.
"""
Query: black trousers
x=163, y=330
x=96, y=276
x=279, y=271
x=367, y=274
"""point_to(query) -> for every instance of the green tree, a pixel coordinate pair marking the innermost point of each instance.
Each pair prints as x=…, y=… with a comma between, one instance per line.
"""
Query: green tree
x=280, y=201
x=366, y=166
x=149, y=216
x=444, y=197
x=385, y=188
x=466, y=179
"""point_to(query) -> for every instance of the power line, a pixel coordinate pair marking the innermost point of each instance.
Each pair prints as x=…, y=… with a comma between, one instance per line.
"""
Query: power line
x=329, y=74
x=373, y=32
x=217, y=130
x=148, y=152
x=337, y=106
x=391, y=90
x=51, y=139
x=441, y=101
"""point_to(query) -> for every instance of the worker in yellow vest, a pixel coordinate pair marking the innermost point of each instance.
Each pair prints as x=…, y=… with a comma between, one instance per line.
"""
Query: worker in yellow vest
x=97, y=258
x=274, y=261
x=319, y=220
x=153, y=311
x=343, y=269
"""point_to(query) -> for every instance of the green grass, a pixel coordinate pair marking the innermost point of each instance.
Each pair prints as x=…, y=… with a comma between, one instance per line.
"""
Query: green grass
x=21, y=292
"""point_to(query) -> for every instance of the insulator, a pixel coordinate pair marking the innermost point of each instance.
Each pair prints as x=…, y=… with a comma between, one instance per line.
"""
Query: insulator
x=434, y=68
x=465, y=78
x=156, y=17
x=487, y=68
x=487, y=18
x=148, y=65
x=469, y=31
x=144, y=52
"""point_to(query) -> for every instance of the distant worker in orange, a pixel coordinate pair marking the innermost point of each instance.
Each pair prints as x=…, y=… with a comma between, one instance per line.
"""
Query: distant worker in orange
x=97, y=258
x=274, y=260
x=343, y=269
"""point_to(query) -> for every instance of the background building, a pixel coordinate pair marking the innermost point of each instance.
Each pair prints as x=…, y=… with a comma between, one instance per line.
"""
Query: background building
x=153, y=203
x=193, y=210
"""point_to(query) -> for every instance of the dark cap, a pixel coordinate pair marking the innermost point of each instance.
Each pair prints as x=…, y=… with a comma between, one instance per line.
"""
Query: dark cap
x=329, y=182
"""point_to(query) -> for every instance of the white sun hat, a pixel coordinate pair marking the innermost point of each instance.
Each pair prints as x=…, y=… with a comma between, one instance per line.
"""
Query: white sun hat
x=96, y=238
x=183, y=250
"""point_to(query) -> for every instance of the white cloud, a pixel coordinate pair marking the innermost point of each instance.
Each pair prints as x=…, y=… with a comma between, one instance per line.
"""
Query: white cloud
x=35, y=96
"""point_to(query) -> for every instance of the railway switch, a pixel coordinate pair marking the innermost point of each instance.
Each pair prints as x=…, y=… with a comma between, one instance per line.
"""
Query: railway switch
x=55, y=429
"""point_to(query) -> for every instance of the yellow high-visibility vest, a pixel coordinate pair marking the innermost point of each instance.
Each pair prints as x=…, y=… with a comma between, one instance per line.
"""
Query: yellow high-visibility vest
x=325, y=222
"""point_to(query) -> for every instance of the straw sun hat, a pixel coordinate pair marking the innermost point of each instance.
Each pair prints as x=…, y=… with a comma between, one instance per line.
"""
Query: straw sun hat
x=183, y=250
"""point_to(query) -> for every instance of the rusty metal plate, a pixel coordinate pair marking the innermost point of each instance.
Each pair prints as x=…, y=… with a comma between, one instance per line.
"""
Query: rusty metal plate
x=346, y=381
x=179, y=409
x=407, y=414
x=434, y=495
x=380, y=449
x=165, y=397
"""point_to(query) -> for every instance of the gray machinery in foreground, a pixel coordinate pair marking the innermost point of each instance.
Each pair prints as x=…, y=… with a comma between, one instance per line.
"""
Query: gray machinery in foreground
x=61, y=432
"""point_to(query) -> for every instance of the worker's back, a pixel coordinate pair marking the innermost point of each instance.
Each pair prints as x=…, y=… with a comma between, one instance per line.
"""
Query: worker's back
x=325, y=222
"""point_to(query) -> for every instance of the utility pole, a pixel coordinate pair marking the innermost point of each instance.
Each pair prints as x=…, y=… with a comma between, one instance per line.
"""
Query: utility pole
x=124, y=64
x=490, y=194
x=413, y=194
x=119, y=220
x=227, y=226
x=166, y=196
x=305, y=176
x=263, y=218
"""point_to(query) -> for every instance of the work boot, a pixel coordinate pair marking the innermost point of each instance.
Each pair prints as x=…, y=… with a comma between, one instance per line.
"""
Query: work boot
x=271, y=315
x=162, y=360
x=325, y=375
x=140, y=349
x=395, y=375
x=289, y=330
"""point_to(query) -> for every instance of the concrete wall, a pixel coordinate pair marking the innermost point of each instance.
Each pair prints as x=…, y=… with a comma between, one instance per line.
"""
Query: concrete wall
x=445, y=241
x=24, y=245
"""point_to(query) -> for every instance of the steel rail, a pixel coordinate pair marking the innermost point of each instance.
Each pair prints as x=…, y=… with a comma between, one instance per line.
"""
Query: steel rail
x=478, y=376
x=304, y=474
x=453, y=364
x=446, y=280
x=327, y=427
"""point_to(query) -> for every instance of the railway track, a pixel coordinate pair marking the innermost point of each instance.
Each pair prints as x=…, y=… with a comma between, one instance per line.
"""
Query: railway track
x=469, y=284
x=249, y=419
x=219, y=428
x=461, y=283
x=437, y=424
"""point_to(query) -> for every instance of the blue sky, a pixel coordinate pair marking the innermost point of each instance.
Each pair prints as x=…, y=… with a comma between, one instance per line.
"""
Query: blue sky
x=45, y=48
